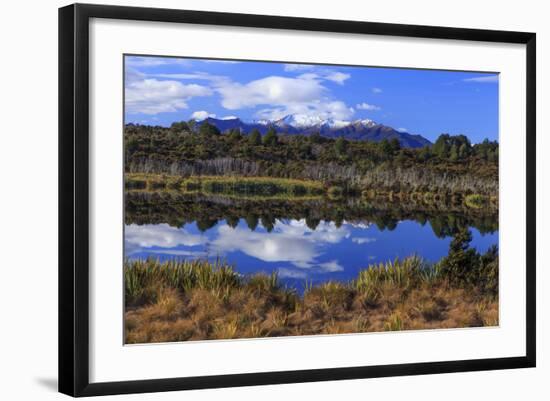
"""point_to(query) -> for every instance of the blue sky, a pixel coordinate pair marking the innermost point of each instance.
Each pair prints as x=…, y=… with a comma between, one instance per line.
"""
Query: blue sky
x=161, y=90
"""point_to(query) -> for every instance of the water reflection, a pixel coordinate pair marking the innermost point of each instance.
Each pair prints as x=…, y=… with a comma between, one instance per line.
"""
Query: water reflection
x=178, y=210
x=297, y=248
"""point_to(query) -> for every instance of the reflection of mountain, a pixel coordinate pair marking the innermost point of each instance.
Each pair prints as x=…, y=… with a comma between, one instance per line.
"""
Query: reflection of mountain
x=179, y=209
x=362, y=130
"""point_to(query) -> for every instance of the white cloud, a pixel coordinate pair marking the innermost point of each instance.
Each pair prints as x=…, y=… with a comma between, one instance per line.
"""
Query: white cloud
x=376, y=90
x=140, y=61
x=334, y=76
x=221, y=61
x=201, y=115
x=270, y=90
x=215, y=79
x=338, y=77
x=151, y=96
x=301, y=95
x=486, y=79
x=304, y=94
x=132, y=75
x=402, y=129
x=318, y=110
x=297, y=67
x=366, y=106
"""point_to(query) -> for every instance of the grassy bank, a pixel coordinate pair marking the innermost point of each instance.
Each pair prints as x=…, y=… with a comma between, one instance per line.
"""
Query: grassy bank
x=197, y=300
x=294, y=189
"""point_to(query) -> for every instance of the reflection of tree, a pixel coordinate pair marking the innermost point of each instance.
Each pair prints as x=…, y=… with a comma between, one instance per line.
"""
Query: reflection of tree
x=385, y=222
x=204, y=224
x=232, y=221
x=268, y=222
x=339, y=218
x=178, y=209
x=251, y=221
x=312, y=222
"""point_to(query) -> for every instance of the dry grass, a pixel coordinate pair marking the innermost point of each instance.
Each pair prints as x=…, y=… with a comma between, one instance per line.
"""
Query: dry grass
x=182, y=301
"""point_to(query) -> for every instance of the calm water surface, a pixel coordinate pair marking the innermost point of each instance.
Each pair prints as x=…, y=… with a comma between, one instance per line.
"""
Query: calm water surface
x=300, y=250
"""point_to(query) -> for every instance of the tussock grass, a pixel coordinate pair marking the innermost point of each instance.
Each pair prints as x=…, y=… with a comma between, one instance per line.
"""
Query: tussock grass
x=198, y=300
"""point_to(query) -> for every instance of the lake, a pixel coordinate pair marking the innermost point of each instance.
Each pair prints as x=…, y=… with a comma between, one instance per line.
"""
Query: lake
x=313, y=240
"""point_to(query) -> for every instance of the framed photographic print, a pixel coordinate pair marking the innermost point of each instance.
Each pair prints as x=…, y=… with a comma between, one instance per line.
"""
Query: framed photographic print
x=250, y=199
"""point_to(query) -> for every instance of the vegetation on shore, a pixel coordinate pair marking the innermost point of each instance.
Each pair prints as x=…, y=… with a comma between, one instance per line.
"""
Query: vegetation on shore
x=198, y=300
x=451, y=165
x=251, y=187
x=288, y=188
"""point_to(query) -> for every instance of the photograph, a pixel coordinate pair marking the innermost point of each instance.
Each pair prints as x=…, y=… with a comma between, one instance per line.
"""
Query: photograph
x=268, y=199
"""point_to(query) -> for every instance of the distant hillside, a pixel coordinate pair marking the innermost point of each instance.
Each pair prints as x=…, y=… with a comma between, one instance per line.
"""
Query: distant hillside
x=359, y=130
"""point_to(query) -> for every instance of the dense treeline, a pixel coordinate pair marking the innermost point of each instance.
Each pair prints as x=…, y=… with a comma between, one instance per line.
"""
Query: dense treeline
x=452, y=164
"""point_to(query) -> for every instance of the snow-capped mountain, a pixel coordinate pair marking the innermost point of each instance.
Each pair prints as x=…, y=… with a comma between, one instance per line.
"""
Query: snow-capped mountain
x=299, y=124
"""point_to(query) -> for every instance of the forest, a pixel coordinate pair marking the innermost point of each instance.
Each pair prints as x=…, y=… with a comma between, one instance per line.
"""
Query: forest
x=452, y=165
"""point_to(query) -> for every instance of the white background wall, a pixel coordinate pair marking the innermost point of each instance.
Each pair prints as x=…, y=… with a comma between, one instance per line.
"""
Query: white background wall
x=28, y=199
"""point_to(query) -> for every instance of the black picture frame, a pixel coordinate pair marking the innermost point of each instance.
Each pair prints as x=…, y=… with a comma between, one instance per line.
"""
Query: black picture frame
x=74, y=200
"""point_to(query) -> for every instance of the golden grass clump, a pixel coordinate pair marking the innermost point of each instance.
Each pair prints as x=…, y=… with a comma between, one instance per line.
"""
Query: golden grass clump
x=199, y=300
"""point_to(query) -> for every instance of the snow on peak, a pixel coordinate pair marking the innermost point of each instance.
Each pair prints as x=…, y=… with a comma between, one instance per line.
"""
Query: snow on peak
x=309, y=121
x=366, y=122
x=300, y=120
x=336, y=123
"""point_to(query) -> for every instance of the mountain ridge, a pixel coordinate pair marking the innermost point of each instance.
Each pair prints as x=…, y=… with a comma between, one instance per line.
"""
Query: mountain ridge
x=359, y=130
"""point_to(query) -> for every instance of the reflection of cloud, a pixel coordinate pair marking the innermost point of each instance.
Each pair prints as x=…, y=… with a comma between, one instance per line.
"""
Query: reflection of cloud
x=178, y=252
x=161, y=235
x=363, y=240
x=289, y=273
x=331, y=267
x=358, y=225
x=292, y=242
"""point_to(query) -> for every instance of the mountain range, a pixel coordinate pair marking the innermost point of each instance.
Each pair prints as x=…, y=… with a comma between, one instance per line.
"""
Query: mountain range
x=359, y=130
